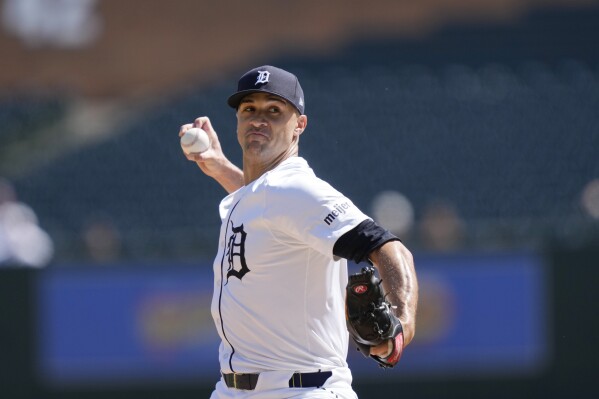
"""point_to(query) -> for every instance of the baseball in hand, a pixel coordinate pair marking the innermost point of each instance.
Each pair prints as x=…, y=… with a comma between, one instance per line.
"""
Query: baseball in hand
x=195, y=140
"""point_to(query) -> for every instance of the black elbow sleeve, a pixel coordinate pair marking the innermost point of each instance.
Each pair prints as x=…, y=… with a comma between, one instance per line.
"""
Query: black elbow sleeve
x=360, y=241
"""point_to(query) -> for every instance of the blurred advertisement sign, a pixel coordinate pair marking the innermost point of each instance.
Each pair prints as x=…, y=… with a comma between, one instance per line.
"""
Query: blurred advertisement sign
x=127, y=324
x=479, y=314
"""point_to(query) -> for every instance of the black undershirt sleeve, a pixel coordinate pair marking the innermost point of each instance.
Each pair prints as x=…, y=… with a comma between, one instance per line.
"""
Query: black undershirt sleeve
x=360, y=241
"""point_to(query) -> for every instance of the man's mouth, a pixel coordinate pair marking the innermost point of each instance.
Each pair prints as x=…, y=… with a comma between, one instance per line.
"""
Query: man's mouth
x=256, y=133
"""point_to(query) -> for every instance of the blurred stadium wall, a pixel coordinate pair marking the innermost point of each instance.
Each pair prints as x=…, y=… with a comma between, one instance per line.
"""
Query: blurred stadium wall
x=476, y=129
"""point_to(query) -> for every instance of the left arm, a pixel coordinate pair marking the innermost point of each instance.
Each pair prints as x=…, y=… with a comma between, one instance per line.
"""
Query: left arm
x=395, y=265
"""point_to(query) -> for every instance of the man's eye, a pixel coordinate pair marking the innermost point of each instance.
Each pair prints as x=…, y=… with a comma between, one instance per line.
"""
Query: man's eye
x=274, y=109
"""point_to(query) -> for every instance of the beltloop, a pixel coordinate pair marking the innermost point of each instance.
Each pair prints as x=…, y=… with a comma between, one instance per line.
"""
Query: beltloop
x=243, y=381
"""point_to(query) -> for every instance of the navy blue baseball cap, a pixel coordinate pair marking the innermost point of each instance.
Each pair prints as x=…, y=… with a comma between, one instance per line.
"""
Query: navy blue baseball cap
x=269, y=79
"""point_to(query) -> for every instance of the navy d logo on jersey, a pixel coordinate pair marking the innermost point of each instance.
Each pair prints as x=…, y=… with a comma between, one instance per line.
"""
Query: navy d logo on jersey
x=236, y=253
x=262, y=77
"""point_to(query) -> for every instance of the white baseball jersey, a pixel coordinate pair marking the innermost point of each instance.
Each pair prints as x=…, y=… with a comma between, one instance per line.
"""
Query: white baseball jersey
x=279, y=292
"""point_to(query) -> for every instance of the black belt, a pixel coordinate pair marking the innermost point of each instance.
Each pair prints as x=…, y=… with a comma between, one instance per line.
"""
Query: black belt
x=248, y=381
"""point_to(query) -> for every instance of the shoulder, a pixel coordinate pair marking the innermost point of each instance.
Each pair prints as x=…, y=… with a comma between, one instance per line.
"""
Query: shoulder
x=295, y=177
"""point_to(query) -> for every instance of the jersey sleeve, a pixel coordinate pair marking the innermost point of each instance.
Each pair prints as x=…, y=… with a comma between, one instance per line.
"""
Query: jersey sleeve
x=311, y=211
x=359, y=242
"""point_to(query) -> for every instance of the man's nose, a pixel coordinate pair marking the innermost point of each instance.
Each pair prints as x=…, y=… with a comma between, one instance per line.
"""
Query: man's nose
x=258, y=121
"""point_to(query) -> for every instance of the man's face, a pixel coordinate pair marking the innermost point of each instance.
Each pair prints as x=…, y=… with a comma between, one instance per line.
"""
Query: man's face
x=268, y=127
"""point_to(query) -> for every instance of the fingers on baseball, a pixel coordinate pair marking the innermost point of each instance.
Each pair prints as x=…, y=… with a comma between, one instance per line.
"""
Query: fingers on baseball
x=203, y=122
x=185, y=128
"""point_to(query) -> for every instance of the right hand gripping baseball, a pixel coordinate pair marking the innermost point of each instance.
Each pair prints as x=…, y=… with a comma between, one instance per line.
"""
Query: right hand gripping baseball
x=213, y=161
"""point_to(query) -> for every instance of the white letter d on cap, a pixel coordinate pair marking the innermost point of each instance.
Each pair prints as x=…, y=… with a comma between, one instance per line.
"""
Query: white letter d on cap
x=262, y=77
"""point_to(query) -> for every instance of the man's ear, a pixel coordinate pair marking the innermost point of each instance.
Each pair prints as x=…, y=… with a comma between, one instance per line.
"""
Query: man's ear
x=301, y=124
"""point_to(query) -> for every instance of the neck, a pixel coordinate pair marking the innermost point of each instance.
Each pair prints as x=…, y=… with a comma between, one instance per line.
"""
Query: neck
x=253, y=169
